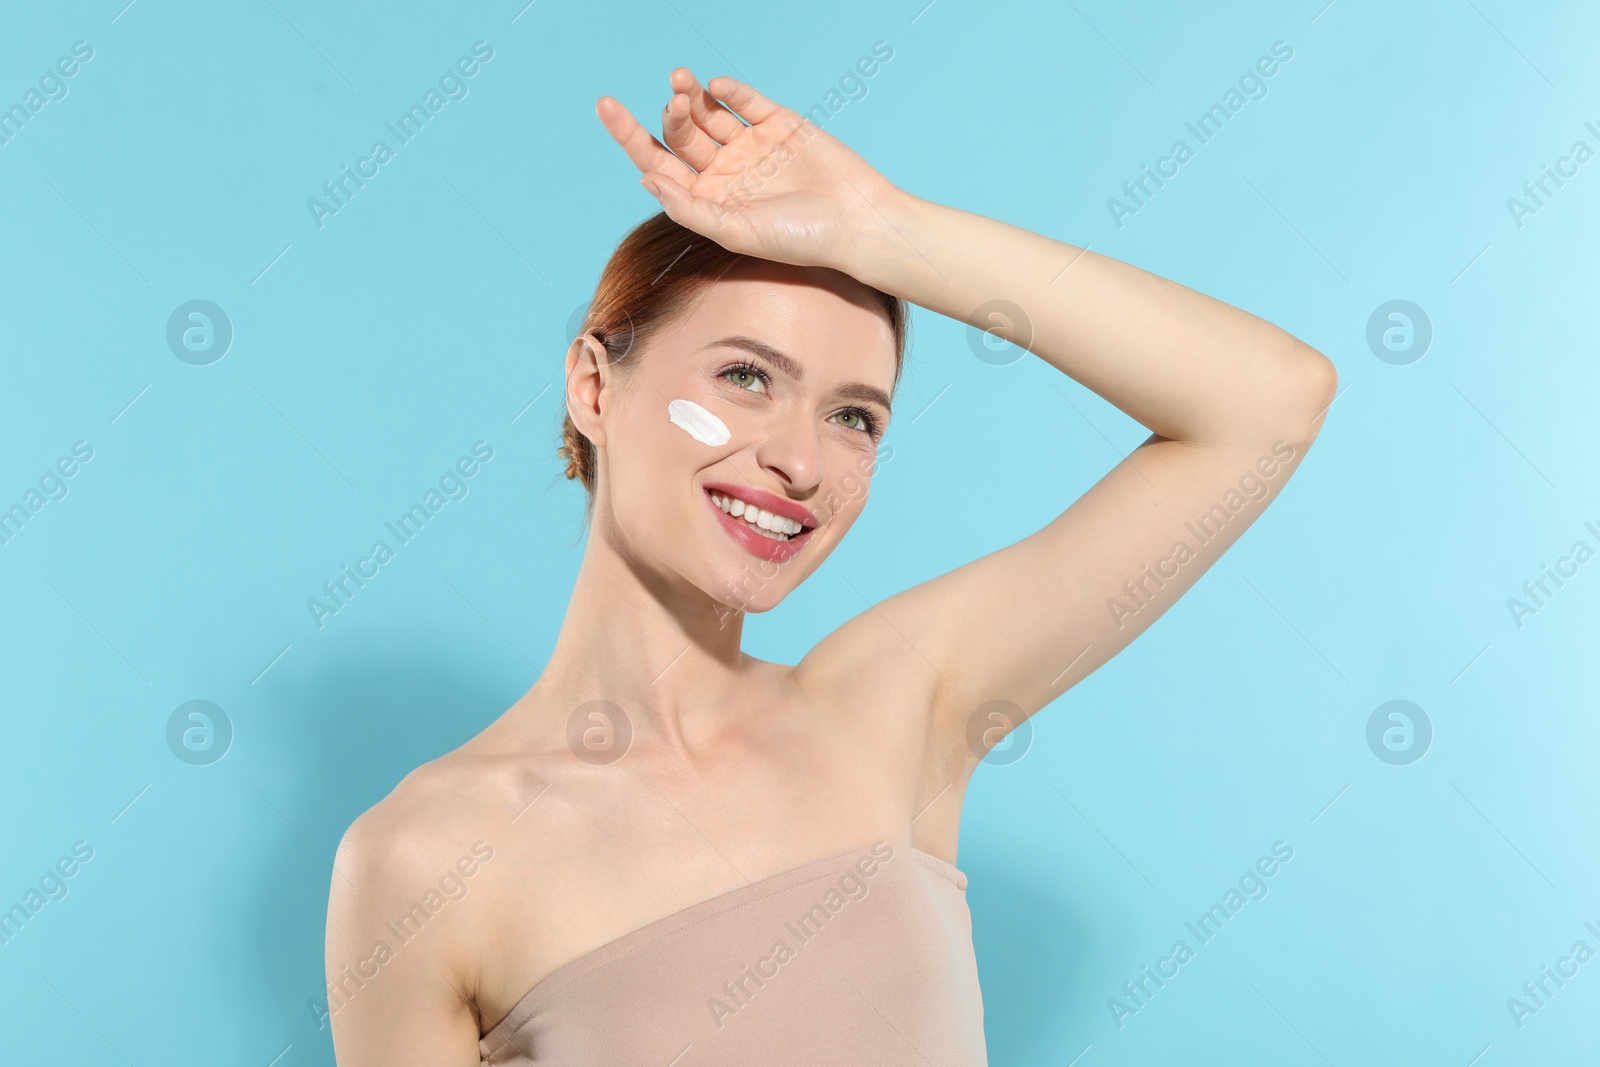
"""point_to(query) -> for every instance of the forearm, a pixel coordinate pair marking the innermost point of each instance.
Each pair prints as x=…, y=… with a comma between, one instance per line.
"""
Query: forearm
x=1186, y=366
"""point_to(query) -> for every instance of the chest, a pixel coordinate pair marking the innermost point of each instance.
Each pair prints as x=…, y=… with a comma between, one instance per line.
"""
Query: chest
x=602, y=854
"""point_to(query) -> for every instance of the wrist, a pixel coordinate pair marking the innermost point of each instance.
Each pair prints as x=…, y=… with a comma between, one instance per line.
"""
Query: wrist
x=876, y=244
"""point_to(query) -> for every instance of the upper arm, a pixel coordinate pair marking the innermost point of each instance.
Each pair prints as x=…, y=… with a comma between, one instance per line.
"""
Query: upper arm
x=1027, y=622
x=396, y=988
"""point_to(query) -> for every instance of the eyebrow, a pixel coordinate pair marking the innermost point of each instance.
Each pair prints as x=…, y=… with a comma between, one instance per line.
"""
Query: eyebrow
x=791, y=367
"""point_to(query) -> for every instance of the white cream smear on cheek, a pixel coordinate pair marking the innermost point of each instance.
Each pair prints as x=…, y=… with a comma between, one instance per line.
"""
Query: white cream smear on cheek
x=697, y=422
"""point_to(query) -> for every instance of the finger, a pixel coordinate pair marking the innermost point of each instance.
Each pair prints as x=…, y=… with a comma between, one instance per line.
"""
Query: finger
x=647, y=153
x=705, y=217
x=742, y=99
x=717, y=121
x=689, y=141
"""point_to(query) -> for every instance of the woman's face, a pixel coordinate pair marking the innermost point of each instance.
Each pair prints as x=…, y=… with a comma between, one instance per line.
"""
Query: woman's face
x=798, y=364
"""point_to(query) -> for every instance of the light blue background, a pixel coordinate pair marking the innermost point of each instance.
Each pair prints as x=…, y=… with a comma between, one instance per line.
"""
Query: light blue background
x=427, y=315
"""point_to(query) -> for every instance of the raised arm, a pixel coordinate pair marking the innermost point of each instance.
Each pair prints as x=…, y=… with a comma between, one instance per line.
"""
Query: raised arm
x=1233, y=402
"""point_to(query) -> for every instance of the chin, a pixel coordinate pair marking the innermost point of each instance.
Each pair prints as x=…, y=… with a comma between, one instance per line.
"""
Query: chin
x=749, y=592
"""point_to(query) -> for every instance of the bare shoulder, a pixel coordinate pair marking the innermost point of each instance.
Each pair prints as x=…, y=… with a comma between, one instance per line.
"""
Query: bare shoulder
x=407, y=906
x=424, y=843
x=432, y=815
x=441, y=823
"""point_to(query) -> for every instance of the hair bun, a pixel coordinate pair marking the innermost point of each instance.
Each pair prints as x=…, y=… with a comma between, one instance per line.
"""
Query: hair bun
x=577, y=450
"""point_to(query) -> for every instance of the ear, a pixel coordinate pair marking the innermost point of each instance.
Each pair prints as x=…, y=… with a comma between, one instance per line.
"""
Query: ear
x=586, y=383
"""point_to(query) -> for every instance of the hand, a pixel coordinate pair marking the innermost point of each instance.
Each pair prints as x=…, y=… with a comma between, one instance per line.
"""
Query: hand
x=778, y=188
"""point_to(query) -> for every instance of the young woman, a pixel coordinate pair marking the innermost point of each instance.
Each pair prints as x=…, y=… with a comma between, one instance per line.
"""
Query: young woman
x=668, y=852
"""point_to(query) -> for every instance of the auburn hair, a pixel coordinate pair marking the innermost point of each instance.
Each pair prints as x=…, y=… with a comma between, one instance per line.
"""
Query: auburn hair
x=654, y=273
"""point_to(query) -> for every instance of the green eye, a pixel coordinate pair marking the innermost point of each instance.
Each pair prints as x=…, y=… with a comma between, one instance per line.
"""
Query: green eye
x=749, y=372
x=747, y=375
x=866, y=421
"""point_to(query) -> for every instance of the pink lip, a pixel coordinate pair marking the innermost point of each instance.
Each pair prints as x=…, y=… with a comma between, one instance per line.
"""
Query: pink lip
x=758, y=544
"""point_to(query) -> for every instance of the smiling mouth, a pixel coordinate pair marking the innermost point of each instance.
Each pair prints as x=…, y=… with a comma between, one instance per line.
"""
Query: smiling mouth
x=765, y=523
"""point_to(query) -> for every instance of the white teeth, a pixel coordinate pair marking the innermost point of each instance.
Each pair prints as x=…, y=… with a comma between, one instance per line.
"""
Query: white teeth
x=776, y=526
x=770, y=535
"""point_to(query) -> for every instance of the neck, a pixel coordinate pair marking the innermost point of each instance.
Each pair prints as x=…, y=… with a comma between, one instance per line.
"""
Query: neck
x=653, y=644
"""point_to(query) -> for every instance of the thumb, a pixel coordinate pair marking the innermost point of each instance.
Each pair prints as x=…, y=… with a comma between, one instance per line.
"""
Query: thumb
x=682, y=206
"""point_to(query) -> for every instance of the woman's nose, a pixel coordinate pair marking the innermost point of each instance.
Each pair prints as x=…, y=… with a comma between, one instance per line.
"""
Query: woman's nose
x=792, y=450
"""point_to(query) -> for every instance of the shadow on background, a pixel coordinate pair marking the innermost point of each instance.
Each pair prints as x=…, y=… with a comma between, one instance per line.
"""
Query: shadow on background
x=1030, y=938
x=355, y=732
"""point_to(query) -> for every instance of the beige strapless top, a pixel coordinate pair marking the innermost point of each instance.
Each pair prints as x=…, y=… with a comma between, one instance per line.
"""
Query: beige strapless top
x=864, y=958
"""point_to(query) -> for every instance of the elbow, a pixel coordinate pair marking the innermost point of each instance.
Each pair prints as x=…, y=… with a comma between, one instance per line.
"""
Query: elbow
x=1314, y=384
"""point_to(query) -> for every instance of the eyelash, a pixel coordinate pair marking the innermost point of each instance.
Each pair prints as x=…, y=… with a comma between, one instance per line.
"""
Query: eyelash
x=873, y=428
